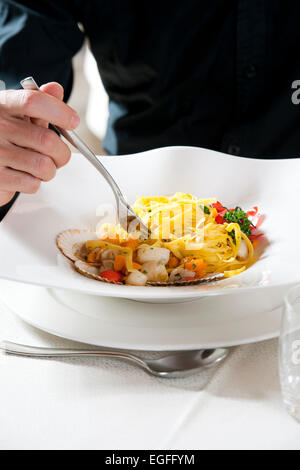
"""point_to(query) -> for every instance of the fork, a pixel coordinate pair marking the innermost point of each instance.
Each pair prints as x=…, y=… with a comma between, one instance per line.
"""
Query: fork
x=125, y=212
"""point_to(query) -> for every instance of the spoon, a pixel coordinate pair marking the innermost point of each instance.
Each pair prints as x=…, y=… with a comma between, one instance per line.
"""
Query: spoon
x=176, y=364
x=125, y=213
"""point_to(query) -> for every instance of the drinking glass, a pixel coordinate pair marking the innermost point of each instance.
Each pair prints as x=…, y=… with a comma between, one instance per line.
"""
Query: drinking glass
x=289, y=361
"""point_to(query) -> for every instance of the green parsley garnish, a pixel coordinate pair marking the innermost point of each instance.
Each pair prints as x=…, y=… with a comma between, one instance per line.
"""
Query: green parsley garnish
x=240, y=217
x=205, y=209
x=232, y=234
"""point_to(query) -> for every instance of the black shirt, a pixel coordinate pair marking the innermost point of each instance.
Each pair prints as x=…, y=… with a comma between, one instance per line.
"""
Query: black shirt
x=208, y=73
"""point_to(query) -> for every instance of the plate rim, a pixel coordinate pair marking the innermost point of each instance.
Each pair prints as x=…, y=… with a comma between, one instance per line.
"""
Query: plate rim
x=70, y=335
x=159, y=293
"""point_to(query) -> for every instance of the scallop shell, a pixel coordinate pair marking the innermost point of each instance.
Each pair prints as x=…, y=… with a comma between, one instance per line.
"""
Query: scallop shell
x=90, y=271
x=204, y=280
x=70, y=242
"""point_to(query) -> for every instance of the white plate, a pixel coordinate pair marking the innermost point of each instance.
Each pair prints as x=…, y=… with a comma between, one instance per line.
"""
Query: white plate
x=119, y=323
x=27, y=234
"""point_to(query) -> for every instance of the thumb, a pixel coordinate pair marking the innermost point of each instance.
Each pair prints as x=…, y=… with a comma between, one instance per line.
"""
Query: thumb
x=54, y=89
x=6, y=197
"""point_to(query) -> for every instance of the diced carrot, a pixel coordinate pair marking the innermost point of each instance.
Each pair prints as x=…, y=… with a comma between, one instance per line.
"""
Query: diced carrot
x=173, y=261
x=92, y=257
x=119, y=263
x=201, y=273
x=132, y=243
x=196, y=265
x=111, y=275
x=114, y=241
x=137, y=266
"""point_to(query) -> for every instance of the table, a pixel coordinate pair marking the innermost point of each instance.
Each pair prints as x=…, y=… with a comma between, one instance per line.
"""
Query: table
x=108, y=404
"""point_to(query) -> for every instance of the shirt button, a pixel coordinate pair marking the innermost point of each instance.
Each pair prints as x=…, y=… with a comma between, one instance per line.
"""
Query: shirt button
x=234, y=149
x=250, y=72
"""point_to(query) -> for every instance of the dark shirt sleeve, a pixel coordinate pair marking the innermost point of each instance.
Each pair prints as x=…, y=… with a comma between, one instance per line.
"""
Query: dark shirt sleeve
x=5, y=209
x=38, y=39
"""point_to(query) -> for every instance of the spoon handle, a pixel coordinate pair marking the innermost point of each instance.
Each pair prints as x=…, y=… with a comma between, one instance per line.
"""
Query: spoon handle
x=33, y=351
x=156, y=367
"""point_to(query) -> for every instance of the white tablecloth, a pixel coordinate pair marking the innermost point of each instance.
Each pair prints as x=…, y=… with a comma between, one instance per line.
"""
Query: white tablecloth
x=108, y=404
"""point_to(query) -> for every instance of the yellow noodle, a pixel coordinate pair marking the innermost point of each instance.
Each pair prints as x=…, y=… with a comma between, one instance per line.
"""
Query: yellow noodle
x=179, y=224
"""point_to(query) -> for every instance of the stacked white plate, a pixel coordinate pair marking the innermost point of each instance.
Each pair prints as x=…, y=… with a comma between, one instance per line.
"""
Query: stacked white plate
x=241, y=309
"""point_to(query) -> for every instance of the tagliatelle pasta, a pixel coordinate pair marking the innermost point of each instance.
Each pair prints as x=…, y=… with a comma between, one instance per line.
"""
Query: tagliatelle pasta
x=203, y=233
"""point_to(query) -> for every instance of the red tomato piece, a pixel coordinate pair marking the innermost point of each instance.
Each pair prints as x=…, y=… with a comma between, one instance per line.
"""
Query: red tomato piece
x=218, y=206
x=255, y=236
x=252, y=211
x=219, y=219
x=111, y=275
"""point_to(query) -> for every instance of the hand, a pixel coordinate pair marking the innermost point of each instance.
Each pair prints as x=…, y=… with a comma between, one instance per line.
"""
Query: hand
x=30, y=152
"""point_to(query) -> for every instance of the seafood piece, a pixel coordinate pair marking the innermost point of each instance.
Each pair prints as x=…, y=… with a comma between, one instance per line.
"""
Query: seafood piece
x=149, y=253
x=109, y=254
x=136, y=278
x=106, y=265
x=181, y=274
x=243, y=251
x=155, y=272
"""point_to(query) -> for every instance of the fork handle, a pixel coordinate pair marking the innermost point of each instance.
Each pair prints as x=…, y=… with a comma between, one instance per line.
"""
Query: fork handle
x=30, y=84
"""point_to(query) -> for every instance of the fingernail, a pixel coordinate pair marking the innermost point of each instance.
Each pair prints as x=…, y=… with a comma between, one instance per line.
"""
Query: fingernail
x=75, y=120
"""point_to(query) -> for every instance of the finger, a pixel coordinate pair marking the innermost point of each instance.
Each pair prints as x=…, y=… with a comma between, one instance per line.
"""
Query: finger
x=53, y=89
x=36, y=164
x=5, y=197
x=37, y=104
x=13, y=180
x=45, y=141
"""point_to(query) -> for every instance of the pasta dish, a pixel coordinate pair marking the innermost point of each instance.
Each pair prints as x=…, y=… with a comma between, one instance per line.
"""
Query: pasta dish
x=190, y=241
